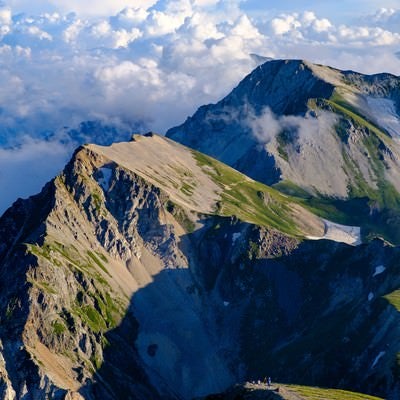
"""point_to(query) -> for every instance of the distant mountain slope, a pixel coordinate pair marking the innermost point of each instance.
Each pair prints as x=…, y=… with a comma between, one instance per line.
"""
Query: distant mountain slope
x=146, y=270
x=318, y=133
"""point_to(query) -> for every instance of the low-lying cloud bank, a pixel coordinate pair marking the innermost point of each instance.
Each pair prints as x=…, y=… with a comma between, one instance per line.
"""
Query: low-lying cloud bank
x=267, y=126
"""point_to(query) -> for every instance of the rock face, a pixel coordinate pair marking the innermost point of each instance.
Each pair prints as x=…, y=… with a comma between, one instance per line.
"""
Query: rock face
x=119, y=280
x=313, y=131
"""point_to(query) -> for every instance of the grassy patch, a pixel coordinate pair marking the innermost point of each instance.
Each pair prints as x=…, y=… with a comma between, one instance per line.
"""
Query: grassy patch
x=45, y=251
x=98, y=310
x=97, y=361
x=58, y=327
x=11, y=307
x=341, y=106
x=98, y=262
x=97, y=200
x=60, y=254
x=394, y=299
x=91, y=317
x=315, y=393
x=187, y=188
x=248, y=200
x=101, y=256
x=354, y=211
x=101, y=311
x=42, y=286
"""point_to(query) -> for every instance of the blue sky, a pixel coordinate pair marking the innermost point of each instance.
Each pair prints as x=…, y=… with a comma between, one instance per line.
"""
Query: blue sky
x=339, y=11
x=125, y=63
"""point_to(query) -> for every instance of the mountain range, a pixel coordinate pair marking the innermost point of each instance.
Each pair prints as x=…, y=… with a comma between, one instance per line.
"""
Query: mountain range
x=259, y=238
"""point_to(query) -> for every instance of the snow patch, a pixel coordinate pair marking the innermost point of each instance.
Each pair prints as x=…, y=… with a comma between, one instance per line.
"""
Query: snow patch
x=104, y=181
x=379, y=270
x=385, y=114
x=340, y=233
x=235, y=237
x=377, y=358
x=370, y=296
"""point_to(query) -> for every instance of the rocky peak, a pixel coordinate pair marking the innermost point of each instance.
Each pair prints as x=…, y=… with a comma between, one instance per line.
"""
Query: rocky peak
x=311, y=131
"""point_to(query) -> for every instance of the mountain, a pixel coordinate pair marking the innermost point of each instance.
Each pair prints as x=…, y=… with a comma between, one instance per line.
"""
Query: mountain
x=147, y=270
x=326, y=136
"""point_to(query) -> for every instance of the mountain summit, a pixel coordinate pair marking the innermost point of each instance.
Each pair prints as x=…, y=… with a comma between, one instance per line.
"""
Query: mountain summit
x=315, y=132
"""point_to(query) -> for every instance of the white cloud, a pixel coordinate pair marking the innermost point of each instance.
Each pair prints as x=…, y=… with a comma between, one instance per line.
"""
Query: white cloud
x=245, y=29
x=386, y=18
x=130, y=16
x=266, y=126
x=101, y=29
x=205, y=3
x=71, y=32
x=5, y=16
x=108, y=37
x=285, y=24
x=322, y=25
x=42, y=35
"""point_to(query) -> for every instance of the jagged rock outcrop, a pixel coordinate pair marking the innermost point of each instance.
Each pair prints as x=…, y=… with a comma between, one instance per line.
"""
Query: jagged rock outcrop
x=146, y=270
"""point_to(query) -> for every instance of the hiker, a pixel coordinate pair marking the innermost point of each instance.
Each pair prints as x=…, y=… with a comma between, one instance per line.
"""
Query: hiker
x=269, y=381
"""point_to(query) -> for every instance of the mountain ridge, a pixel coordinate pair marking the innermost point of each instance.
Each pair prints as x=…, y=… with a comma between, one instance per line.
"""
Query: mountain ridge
x=87, y=285
x=344, y=125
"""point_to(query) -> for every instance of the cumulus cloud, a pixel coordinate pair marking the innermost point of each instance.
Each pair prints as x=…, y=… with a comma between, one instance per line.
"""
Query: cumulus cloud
x=385, y=18
x=152, y=63
x=285, y=24
x=307, y=27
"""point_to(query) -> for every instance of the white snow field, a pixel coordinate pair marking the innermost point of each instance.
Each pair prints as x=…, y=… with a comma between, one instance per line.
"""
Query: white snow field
x=340, y=233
